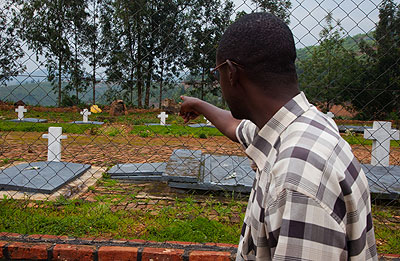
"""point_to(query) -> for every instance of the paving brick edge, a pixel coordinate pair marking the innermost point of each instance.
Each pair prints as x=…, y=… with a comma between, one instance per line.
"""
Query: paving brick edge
x=15, y=246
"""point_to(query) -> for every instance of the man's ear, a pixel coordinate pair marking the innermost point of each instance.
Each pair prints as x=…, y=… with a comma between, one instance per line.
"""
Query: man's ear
x=233, y=73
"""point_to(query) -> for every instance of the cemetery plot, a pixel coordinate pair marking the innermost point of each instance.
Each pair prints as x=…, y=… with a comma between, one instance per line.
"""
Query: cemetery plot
x=21, y=110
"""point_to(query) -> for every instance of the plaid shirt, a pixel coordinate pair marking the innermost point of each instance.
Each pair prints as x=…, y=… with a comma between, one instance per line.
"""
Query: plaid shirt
x=310, y=198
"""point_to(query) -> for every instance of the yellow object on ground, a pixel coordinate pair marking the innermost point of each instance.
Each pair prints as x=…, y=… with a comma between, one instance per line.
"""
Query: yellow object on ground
x=95, y=109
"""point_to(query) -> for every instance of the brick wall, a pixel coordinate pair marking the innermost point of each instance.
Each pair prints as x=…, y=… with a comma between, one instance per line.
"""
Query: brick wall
x=47, y=247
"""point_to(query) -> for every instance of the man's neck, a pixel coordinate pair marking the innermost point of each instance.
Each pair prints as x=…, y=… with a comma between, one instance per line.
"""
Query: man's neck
x=262, y=107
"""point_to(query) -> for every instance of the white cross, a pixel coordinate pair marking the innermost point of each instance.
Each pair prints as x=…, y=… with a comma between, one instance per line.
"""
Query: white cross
x=208, y=123
x=21, y=111
x=330, y=114
x=163, y=117
x=54, y=143
x=381, y=134
x=85, y=114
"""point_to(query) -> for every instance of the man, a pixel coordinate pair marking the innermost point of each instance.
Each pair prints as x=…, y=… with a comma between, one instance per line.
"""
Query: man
x=310, y=197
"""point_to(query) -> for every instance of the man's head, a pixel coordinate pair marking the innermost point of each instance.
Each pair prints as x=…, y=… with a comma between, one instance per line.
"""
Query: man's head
x=264, y=47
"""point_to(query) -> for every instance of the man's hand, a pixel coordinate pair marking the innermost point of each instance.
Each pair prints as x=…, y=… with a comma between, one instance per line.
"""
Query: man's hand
x=191, y=108
x=188, y=108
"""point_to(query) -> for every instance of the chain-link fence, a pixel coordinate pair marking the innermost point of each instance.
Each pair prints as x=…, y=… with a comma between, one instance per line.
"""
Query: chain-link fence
x=91, y=143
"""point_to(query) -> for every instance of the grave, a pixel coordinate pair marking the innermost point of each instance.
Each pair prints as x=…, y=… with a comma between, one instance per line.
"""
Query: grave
x=45, y=176
x=202, y=125
x=183, y=166
x=21, y=110
x=138, y=171
x=40, y=177
x=190, y=169
x=353, y=128
x=85, y=114
x=381, y=134
x=163, y=120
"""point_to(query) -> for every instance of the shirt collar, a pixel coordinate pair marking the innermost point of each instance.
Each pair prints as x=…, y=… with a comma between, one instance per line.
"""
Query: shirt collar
x=268, y=137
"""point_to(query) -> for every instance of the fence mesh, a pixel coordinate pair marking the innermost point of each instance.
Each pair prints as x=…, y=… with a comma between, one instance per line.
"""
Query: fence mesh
x=105, y=70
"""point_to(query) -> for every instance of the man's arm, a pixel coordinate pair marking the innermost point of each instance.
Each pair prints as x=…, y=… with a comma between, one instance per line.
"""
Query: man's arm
x=222, y=119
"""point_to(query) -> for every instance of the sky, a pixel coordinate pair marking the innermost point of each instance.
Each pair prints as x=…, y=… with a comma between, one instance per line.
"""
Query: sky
x=307, y=17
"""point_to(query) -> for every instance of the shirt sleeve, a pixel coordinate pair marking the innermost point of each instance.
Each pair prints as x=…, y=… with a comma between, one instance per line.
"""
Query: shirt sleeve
x=245, y=132
x=299, y=228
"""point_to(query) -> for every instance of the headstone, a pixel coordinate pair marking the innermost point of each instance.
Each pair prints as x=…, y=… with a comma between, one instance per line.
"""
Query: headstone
x=163, y=118
x=85, y=113
x=330, y=114
x=40, y=177
x=21, y=111
x=381, y=134
x=208, y=123
x=54, y=143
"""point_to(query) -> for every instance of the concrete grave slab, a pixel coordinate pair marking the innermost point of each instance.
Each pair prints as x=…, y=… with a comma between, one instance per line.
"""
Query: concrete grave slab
x=200, y=125
x=137, y=169
x=383, y=180
x=209, y=187
x=88, y=122
x=357, y=129
x=34, y=120
x=40, y=177
x=184, y=166
x=156, y=124
x=227, y=170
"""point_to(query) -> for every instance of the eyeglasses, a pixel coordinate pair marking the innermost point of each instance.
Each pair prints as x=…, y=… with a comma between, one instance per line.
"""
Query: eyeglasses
x=215, y=72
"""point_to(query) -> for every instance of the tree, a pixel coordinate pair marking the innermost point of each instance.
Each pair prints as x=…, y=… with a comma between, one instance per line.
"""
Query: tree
x=46, y=25
x=79, y=29
x=210, y=19
x=331, y=71
x=10, y=51
x=94, y=50
x=381, y=94
x=122, y=28
x=278, y=8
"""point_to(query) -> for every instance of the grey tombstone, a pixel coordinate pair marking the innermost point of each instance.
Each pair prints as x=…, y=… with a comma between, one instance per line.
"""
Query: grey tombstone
x=33, y=120
x=183, y=166
x=138, y=171
x=383, y=180
x=381, y=134
x=353, y=128
x=228, y=170
x=40, y=177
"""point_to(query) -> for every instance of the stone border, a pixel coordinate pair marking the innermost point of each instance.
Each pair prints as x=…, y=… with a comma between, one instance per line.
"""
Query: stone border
x=48, y=247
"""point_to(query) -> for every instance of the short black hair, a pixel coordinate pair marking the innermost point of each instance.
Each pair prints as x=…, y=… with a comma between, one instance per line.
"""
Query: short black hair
x=263, y=44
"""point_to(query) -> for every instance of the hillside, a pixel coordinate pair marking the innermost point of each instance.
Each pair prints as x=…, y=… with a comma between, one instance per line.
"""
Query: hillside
x=41, y=93
x=350, y=43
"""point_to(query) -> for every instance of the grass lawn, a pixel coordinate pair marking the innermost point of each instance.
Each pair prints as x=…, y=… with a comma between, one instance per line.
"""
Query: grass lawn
x=109, y=210
x=130, y=211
